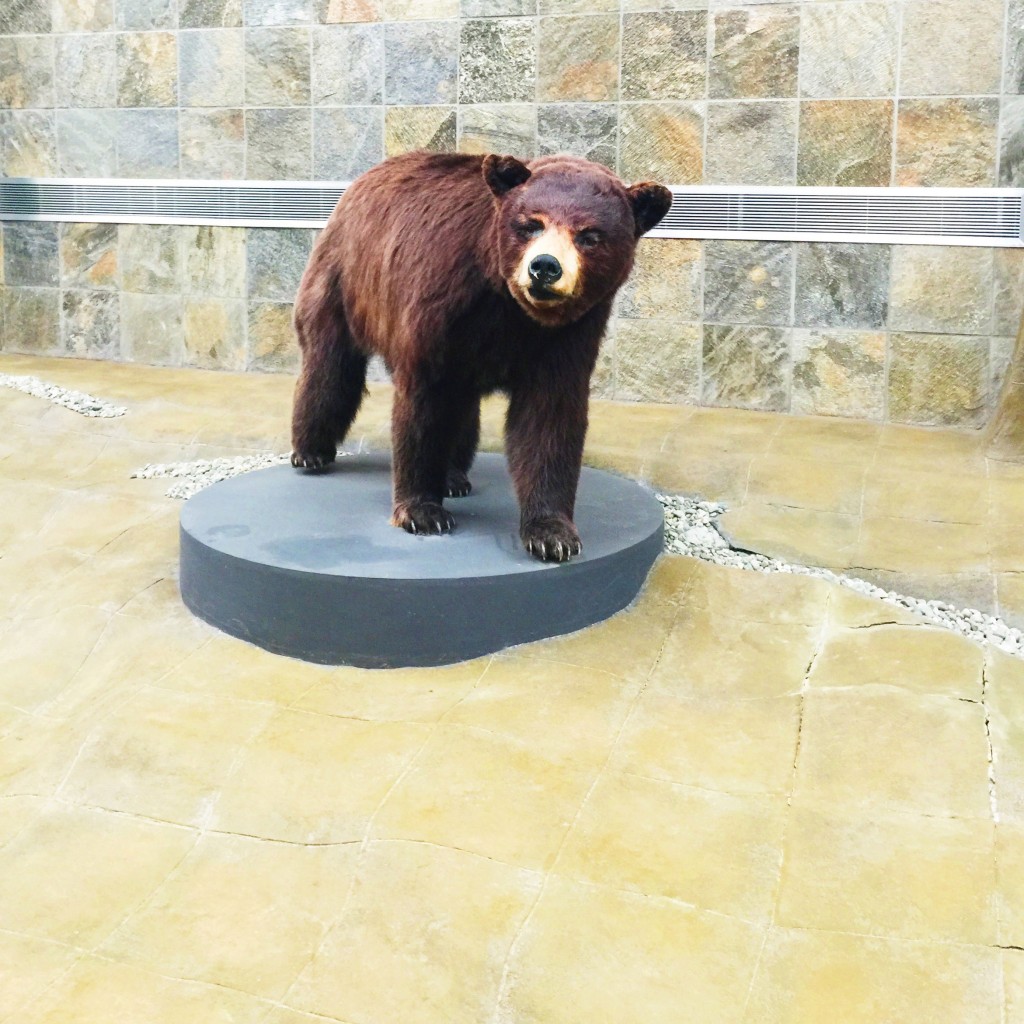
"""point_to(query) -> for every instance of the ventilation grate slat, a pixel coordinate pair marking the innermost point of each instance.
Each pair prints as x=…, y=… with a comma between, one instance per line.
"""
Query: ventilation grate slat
x=990, y=217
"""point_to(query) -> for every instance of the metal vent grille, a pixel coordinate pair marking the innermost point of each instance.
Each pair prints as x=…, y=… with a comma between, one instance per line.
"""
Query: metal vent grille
x=987, y=217
x=923, y=216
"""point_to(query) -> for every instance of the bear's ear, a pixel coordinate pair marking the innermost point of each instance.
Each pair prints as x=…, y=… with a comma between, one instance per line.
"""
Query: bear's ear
x=503, y=173
x=650, y=203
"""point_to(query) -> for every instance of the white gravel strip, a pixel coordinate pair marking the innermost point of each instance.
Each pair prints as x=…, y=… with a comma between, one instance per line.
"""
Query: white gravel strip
x=691, y=529
x=76, y=401
x=194, y=476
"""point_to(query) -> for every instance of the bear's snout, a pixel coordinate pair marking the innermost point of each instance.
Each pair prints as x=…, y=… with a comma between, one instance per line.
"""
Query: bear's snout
x=545, y=269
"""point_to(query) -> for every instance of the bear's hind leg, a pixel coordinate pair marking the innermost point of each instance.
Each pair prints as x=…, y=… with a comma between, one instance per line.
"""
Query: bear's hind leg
x=330, y=387
x=464, y=451
x=425, y=422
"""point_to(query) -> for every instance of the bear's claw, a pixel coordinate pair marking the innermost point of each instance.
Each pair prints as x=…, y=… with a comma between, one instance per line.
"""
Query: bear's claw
x=551, y=539
x=457, y=484
x=314, y=461
x=423, y=517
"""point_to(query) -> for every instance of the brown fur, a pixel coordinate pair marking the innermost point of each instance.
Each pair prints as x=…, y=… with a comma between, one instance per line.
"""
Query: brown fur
x=418, y=264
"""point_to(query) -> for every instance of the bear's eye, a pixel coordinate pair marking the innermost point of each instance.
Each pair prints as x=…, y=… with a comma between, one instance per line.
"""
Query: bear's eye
x=529, y=228
x=588, y=239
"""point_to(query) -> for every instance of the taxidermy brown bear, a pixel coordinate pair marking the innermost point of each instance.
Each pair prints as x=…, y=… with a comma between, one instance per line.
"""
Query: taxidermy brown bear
x=468, y=275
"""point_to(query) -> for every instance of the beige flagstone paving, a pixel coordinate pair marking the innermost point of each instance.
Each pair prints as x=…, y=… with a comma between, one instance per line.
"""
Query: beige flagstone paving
x=746, y=798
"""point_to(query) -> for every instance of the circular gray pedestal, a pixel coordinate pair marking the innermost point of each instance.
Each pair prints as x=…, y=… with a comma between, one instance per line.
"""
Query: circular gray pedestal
x=308, y=565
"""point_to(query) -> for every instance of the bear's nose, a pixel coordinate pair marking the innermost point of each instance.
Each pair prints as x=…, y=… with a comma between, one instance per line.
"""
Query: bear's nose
x=545, y=269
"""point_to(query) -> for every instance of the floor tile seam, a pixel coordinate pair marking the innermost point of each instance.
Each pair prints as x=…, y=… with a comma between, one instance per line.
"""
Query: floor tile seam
x=740, y=794
x=510, y=656
x=893, y=689
x=776, y=897
x=105, y=958
x=523, y=745
x=367, y=834
x=868, y=470
x=552, y=866
x=659, y=899
x=906, y=940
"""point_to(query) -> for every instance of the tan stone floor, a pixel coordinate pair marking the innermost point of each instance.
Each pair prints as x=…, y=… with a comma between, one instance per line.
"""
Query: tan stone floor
x=747, y=798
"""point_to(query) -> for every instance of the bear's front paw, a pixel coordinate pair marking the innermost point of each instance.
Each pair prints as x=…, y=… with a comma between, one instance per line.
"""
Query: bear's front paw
x=551, y=539
x=315, y=461
x=423, y=517
x=457, y=484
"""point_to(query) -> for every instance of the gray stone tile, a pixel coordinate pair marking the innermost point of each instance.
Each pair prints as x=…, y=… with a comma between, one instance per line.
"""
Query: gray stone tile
x=152, y=329
x=347, y=141
x=584, y=129
x=1009, y=306
x=662, y=142
x=755, y=53
x=276, y=259
x=938, y=379
x=209, y=13
x=147, y=69
x=578, y=59
x=88, y=256
x=278, y=144
x=86, y=71
x=431, y=128
x=82, y=15
x=949, y=143
x=272, y=343
x=277, y=67
x=24, y=16
x=951, y=47
x=941, y=289
x=420, y=10
x=147, y=143
x=26, y=71
x=31, y=144
x=657, y=361
x=1013, y=64
x=498, y=128
x=752, y=143
x=665, y=283
x=341, y=12
x=31, y=319
x=496, y=8
x=577, y=6
x=150, y=258
x=87, y=143
x=845, y=142
x=421, y=62
x=840, y=284
x=30, y=253
x=747, y=282
x=746, y=367
x=215, y=261
x=665, y=55
x=1011, y=143
x=90, y=326
x=277, y=12
x=212, y=67
x=497, y=61
x=348, y=65
x=214, y=335
x=848, y=49
x=143, y=15
x=212, y=143
x=839, y=373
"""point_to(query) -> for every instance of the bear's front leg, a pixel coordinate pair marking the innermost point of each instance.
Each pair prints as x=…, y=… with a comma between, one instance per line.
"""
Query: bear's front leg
x=424, y=419
x=544, y=435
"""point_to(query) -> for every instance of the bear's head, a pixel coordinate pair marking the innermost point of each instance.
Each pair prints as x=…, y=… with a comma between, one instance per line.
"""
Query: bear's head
x=566, y=231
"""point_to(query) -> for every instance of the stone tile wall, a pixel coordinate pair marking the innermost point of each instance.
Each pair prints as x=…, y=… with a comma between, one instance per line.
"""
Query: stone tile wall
x=850, y=92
